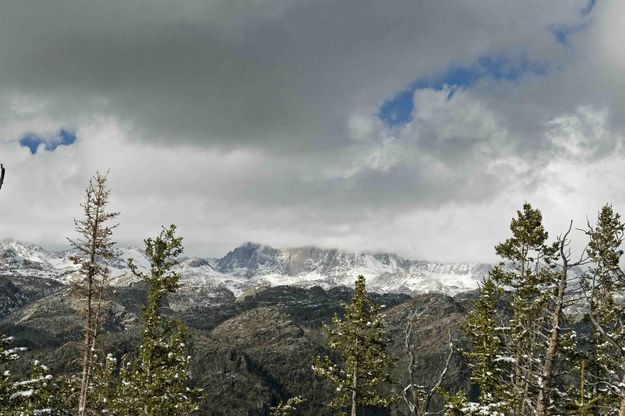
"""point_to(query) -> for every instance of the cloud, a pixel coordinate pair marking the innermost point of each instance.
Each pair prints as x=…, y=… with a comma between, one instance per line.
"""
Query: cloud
x=279, y=75
x=300, y=122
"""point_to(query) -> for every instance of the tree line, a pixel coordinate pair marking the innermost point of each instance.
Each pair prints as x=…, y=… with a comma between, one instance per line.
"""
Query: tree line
x=524, y=352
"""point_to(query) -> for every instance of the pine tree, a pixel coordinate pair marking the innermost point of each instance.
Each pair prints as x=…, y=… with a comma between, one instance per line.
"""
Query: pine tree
x=94, y=250
x=489, y=368
x=360, y=341
x=286, y=408
x=530, y=274
x=156, y=381
x=38, y=394
x=603, y=285
x=514, y=362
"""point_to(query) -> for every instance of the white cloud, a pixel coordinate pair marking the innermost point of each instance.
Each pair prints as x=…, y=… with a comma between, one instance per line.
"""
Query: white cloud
x=260, y=123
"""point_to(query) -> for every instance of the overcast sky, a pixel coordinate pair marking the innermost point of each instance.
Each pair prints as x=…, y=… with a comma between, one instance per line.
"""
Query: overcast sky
x=417, y=127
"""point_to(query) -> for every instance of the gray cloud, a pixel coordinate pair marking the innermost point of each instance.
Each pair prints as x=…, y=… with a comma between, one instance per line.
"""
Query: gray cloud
x=277, y=73
x=256, y=120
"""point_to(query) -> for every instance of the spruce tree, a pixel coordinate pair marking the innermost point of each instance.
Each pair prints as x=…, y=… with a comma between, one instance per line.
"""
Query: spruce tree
x=360, y=341
x=530, y=275
x=156, y=381
x=37, y=394
x=287, y=408
x=604, y=285
x=488, y=367
x=513, y=359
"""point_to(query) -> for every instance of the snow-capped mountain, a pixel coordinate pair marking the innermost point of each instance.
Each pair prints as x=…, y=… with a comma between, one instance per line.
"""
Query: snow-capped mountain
x=385, y=272
x=24, y=259
x=253, y=265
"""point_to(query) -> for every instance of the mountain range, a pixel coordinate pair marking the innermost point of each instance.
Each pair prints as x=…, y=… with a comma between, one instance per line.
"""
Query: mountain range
x=252, y=265
x=255, y=317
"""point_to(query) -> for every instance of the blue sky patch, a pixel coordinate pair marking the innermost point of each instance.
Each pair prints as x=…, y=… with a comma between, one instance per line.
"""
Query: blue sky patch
x=62, y=137
x=398, y=110
x=563, y=32
x=584, y=11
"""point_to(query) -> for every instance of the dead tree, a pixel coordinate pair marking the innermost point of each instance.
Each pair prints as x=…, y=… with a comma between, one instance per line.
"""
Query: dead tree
x=2, y=170
x=418, y=397
x=547, y=370
x=94, y=250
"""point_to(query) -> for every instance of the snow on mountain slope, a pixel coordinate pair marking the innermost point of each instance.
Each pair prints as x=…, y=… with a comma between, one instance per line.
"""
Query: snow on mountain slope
x=252, y=265
x=31, y=260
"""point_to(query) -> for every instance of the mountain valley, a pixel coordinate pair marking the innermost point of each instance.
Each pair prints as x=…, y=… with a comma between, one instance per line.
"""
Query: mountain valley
x=254, y=316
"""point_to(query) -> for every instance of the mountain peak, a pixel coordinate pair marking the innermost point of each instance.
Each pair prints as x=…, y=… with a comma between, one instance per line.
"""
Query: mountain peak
x=252, y=264
x=247, y=259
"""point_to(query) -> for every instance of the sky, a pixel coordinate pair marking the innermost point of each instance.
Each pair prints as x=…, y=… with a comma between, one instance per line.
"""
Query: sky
x=416, y=127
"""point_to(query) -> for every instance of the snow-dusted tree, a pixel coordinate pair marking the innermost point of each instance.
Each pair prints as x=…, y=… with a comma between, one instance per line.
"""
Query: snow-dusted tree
x=94, y=249
x=557, y=340
x=360, y=341
x=287, y=408
x=156, y=381
x=604, y=286
x=489, y=369
x=513, y=357
x=531, y=276
x=38, y=394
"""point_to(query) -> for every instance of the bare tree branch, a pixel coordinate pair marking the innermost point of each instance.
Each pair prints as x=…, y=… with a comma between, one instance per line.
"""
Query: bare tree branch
x=442, y=374
x=2, y=171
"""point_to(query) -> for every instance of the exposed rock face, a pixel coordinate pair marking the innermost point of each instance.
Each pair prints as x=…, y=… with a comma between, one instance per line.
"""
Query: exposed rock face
x=253, y=265
x=249, y=260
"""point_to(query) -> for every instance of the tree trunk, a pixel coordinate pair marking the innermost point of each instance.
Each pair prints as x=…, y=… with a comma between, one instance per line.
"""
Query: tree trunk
x=554, y=336
x=354, y=387
x=87, y=354
x=2, y=170
x=552, y=349
x=90, y=326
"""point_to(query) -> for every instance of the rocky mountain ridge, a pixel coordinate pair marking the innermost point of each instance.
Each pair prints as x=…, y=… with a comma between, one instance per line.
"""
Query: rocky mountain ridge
x=254, y=265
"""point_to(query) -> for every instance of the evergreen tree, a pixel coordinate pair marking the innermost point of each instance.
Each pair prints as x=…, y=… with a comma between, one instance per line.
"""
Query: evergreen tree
x=286, y=408
x=39, y=394
x=156, y=381
x=604, y=286
x=94, y=250
x=529, y=273
x=488, y=367
x=360, y=341
x=514, y=362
